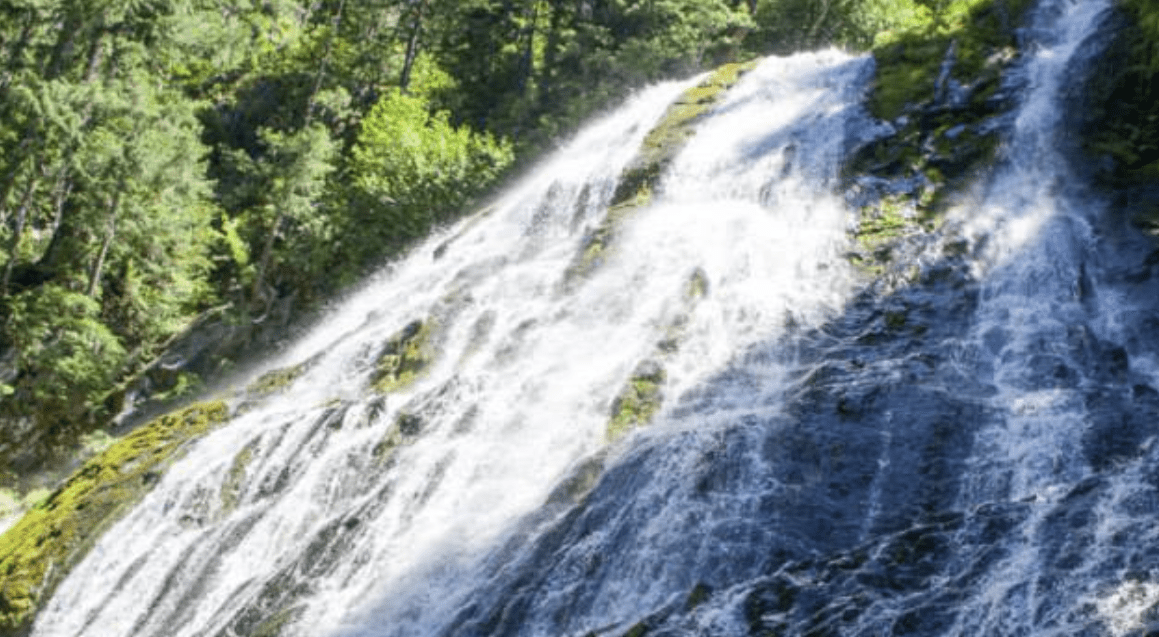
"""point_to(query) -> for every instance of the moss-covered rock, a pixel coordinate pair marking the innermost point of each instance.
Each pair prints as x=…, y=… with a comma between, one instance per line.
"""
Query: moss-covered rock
x=405, y=429
x=579, y=482
x=965, y=45
x=641, y=176
x=276, y=380
x=274, y=625
x=37, y=552
x=697, y=286
x=677, y=125
x=404, y=358
x=881, y=225
x=639, y=401
x=938, y=86
x=234, y=481
x=643, y=395
x=700, y=594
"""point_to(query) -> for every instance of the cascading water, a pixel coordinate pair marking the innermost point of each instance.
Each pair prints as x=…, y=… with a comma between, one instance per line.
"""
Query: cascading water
x=968, y=454
x=324, y=536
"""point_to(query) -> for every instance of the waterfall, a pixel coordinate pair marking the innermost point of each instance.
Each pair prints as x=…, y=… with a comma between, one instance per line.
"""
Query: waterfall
x=455, y=453
x=1036, y=296
x=342, y=541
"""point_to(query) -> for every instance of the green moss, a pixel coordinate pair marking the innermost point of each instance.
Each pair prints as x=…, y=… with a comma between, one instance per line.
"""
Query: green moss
x=406, y=356
x=639, y=630
x=697, y=286
x=579, y=482
x=235, y=479
x=274, y=625
x=665, y=140
x=942, y=144
x=277, y=380
x=881, y=227
x=50, y=539
x=982, y=34
x=638, y=401
x=700, y=594
x=404, y=430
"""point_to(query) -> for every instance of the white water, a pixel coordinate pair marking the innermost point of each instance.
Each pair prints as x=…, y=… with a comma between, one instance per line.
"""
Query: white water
x=1035, y=236
x=1039, y=305
x=521, y=388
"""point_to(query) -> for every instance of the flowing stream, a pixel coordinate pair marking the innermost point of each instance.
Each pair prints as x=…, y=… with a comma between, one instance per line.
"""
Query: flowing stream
x=988, y=471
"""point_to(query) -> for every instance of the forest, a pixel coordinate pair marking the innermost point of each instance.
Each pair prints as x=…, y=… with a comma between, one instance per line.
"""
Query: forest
x=165, y=160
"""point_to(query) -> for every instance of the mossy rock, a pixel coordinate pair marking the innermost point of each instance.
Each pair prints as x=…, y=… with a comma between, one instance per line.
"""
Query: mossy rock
x=642, y=396
x=700, y=594
x=275, y=625
x=639, y=401
x=37, y=553
x=697, y=286
x=404, y=358
x=596, y=242
x=582, y=479
x=938, y=85
x=881, y=228
x=405, y=429
x=980, y=35
x=276, y=380
x=661, y=145
x=678, y=124
x=231, y=487
x=941, y=145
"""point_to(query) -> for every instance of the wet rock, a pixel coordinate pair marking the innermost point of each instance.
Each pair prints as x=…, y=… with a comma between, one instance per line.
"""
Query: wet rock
x=405, y=356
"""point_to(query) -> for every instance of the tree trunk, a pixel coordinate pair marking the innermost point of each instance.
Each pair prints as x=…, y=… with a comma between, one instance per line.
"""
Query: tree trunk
x=334, y=24
x=267, y=256
x=527, y=63
x=811, y=38
x=17, y=233
x=99, y=264
x=412, y=44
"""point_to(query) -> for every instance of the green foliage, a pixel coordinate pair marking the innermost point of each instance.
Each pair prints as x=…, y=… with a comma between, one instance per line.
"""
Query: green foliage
x=67, y=356
x=783, y=26
x=980, y=32
x=411, y=168
x=679, y=36
x=1146, y=45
